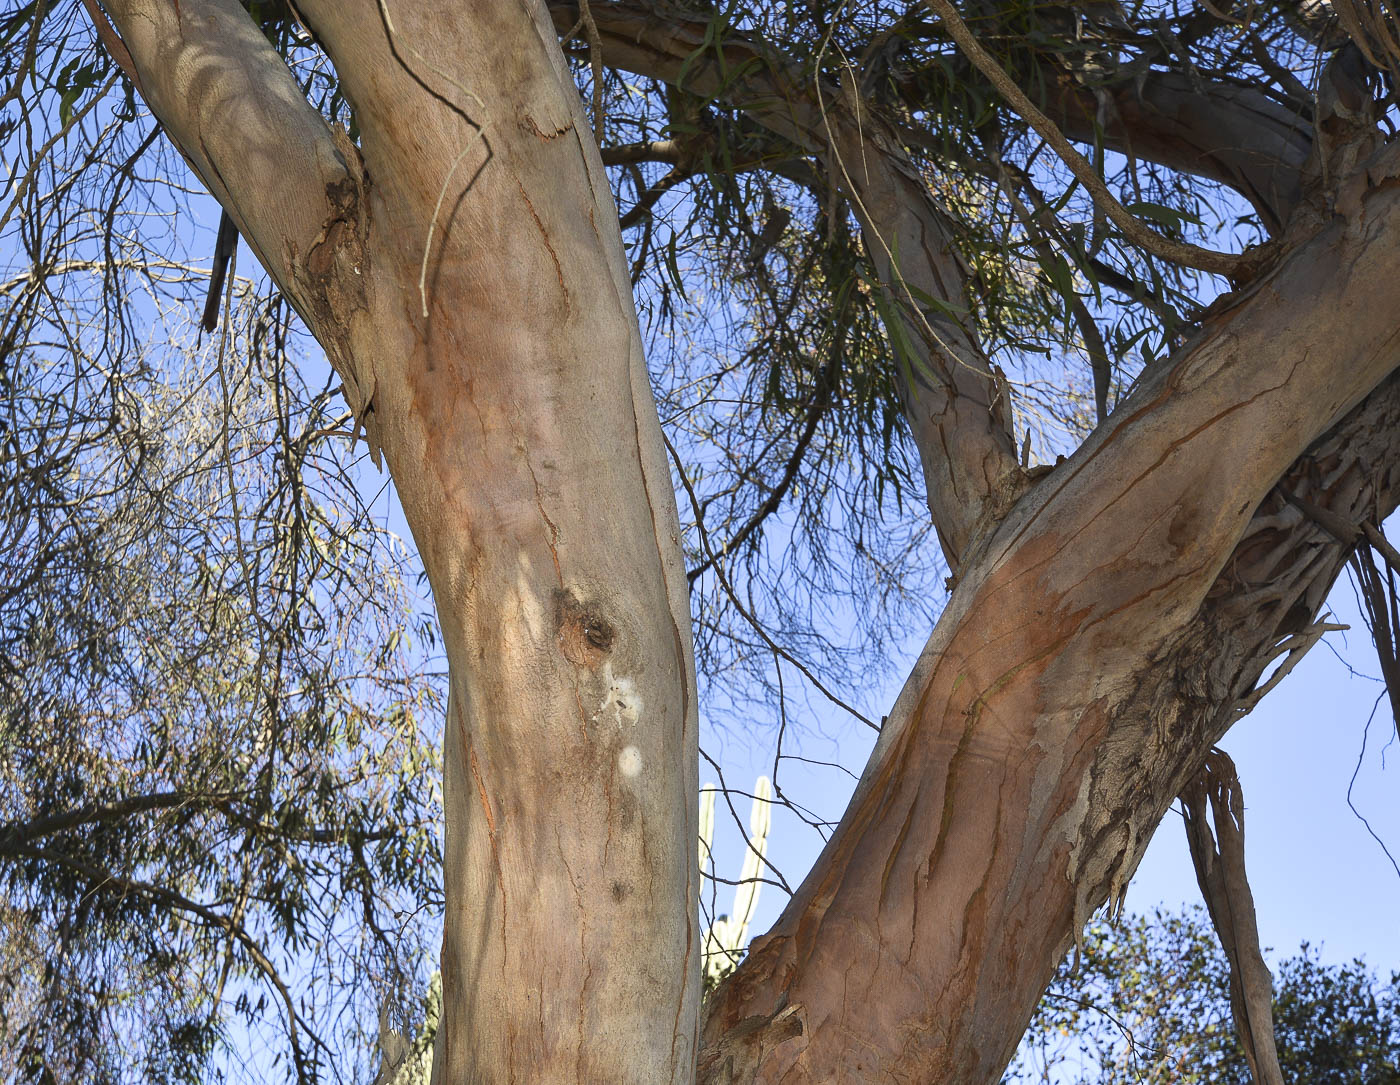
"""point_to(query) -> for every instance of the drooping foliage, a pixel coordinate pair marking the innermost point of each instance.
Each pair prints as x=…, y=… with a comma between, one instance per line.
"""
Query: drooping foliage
x=219, y=696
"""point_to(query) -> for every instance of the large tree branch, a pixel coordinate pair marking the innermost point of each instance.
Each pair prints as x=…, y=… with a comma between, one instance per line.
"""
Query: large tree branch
x=1229, y=132
x=1225, y=132
x=955, y=406
x=1099, y=646
x=230, y=105
x=495, y=344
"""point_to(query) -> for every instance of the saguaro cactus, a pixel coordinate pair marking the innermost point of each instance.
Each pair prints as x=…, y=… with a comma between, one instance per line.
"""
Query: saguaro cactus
x=724, y=940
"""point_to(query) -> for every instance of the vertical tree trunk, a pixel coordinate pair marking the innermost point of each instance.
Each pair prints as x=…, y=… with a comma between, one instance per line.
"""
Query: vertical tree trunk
x=463, y=268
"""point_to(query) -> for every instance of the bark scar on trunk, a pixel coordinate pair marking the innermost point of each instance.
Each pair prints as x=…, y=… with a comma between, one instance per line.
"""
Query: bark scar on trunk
x=334, y=278
x=585, y=636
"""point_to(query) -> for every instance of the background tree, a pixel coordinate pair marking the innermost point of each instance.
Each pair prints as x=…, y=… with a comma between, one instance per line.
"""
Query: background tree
x=921, y=287
x=1148, y=1004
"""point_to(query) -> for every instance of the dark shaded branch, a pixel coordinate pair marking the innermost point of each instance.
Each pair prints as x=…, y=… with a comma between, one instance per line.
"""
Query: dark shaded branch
x=1133, y=228
x=15, y=836
x=1221, y=131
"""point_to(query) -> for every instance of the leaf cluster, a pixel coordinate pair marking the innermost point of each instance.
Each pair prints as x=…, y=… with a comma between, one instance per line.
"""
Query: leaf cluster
x=219, y=691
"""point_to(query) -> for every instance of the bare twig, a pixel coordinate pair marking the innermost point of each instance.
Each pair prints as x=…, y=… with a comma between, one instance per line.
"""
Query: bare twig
x=734, y=596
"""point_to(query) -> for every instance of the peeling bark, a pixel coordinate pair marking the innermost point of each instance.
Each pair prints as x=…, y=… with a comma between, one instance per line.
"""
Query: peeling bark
x=1220, y=872
x=1089, y=658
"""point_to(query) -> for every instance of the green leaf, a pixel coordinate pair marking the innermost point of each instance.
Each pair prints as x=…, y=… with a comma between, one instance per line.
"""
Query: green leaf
x=1170, y=217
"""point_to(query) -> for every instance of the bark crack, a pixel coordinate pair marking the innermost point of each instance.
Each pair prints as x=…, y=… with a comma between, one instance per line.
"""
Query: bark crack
x=549, y=245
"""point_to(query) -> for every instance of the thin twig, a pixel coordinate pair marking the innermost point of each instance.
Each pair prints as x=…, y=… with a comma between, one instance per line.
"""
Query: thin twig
x=28, y=180
x=477, y=134
x=734, y=596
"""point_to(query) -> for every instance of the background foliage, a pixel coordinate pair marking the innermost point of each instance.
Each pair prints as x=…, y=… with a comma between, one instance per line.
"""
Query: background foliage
x=1149, y=1003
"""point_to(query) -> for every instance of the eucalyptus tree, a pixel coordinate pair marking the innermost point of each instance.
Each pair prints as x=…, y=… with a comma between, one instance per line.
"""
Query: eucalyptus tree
x=938, y=244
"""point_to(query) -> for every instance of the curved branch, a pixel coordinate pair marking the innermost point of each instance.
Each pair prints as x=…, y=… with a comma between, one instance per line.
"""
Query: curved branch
x=1230, y=132
x=1134, y=229
x=105, y=879
x=1227, y=133
x=951, y=397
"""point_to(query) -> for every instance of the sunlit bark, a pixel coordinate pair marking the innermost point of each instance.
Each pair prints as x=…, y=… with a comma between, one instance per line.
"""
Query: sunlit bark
x=463, y=269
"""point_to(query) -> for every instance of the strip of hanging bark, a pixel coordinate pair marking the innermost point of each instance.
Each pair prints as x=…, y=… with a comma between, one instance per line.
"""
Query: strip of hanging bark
x=1178, y=252
x=1220, y=872
x=1381, y=611
x=224, y=245
x=1371, y=25
x=1382, y=608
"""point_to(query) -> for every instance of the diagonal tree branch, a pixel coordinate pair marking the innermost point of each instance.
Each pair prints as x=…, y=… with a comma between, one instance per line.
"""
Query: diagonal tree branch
x=14, y=836
x=1026, y=763
x=231, y=106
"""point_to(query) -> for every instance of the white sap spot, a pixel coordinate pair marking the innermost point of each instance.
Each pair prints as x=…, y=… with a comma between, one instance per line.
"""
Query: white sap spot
x=629, y=761
x=621, y=701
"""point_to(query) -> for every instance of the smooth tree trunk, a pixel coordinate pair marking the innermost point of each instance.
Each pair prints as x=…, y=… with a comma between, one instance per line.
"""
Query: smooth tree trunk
x=463, y=269
x=516, y=419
